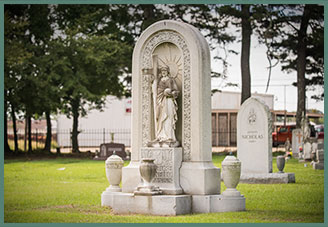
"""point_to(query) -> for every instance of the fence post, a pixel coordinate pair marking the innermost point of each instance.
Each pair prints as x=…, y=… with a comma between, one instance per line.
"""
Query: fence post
x=104, y=135
x=25, y=132
x=70, y=138
x=112, y=136
x=36, y=139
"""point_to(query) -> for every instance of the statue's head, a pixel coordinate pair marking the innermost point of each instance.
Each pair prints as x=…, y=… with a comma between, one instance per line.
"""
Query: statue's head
x=165, y=71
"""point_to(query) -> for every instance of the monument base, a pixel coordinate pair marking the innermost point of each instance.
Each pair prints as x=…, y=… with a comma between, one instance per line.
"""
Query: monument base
x=268, y=178
x=318, y=165
x=217, y=203
x=128, y=203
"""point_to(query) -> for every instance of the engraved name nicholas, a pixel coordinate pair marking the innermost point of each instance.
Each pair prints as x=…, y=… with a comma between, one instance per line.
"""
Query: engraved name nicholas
x=252, y=137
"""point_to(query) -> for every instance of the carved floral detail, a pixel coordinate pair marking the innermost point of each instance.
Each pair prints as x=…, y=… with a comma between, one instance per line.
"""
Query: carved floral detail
x=114, y=165
x=164, y=162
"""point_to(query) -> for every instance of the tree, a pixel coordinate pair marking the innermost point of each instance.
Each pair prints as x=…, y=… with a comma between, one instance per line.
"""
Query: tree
x=32, y=90
x=16, y=57
x=246, y=31
x=296, y=41
x=213, y=24
x=94, y=57
x=243, y=16
x=89, y=69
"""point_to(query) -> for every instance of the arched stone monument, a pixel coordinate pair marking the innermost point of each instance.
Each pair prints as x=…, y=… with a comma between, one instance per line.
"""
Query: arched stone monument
x=171, y=123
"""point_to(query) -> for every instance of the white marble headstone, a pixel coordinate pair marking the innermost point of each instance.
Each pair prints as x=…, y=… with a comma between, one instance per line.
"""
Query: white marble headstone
x=297, y=140
x=254, y=137
x=307, y=150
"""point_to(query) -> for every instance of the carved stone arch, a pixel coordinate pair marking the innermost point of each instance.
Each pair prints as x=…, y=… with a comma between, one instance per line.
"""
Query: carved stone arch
x=166, y=36
x=196, y=139
x=196, y=106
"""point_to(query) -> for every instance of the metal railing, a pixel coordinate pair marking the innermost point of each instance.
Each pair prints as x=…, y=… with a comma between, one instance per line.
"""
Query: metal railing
x=95, y=137
x=63, y=138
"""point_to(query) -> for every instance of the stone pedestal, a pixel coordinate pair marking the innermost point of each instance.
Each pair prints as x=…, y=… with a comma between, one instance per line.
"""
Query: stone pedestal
x=268, y=178
x=217, y=203
x=200, y=178
x=168, y=161
x=127, y=203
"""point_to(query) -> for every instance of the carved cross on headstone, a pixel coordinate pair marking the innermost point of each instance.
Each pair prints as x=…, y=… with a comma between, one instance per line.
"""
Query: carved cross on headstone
x=299, y=136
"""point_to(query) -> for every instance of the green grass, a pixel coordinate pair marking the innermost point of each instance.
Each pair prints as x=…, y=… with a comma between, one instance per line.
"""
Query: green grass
x=36, y=191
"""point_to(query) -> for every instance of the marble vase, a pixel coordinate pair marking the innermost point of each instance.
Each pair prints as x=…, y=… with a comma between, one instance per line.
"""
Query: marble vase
x=147, y=170
x=231, y=168
x=281, y=163
x=114, y=165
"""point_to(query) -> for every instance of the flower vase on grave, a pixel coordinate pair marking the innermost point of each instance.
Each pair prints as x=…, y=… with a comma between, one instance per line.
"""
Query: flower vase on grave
x=281, y=163
x=300, y=156
x=147, y=172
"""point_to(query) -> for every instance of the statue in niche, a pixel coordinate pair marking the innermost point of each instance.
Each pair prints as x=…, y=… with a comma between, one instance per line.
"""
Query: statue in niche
x=165, y=93
x=305, y=129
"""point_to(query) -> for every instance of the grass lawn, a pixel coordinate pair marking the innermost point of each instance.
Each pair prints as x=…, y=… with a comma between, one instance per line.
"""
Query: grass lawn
x=68, y=190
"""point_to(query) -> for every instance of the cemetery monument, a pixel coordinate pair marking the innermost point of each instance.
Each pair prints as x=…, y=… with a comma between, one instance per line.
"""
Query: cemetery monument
x=107, y=149
x=319, y=163
x=254, y=144
x=297, y=141
x=301, y=139
x=171, y=170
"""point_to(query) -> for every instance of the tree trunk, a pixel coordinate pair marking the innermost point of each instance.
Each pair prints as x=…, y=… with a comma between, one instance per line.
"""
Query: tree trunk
x=13, y=117
x=301, y=64
x=7, y=148
x=245, y=53
x=149, y=16
x=47, y=145
x=75, y=132
x=29, y=133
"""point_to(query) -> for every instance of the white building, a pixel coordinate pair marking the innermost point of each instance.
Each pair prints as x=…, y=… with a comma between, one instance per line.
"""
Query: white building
x=97, y=126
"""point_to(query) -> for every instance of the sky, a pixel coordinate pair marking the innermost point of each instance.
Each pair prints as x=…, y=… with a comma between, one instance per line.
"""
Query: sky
x=280, y=84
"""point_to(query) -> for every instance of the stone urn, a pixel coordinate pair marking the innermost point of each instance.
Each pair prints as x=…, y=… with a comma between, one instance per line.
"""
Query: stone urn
x=281, y=163
x=147, y=171
x=231, y=168
x=114, y=165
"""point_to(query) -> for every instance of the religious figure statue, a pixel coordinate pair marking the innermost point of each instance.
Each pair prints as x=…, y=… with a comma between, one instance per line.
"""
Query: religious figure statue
x=166, y=108
x=305, y=129
x=165, y=92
